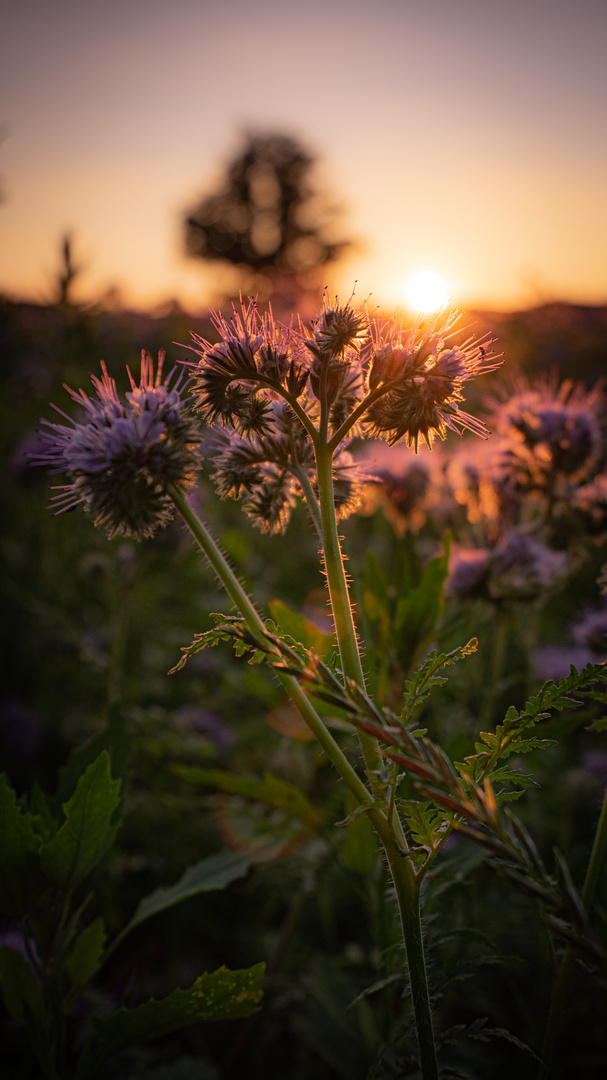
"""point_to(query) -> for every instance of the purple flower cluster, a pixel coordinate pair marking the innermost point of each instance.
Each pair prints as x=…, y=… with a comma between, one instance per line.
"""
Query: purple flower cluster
x=278, y=391
x=123, y=456
x=522, y=508
x=518, y=568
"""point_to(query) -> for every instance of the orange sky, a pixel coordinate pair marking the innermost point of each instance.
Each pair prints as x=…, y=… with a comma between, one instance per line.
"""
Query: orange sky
x=464, y=136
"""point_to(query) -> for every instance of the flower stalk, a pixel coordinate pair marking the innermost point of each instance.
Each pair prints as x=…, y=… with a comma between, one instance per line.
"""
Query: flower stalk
x=255, y=624
x=282, y=406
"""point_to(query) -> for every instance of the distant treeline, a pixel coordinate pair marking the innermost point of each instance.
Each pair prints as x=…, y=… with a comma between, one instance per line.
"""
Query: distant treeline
x=40, y=342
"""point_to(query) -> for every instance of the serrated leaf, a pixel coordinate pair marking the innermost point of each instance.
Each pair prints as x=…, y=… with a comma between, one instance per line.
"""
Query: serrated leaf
x=426, y=824
x=87, y=832
x=113, y=738
x=21, y=879
x=85, y=957
x=208, y=875
x=222, y=995
x=19, y=990
x=427, y=676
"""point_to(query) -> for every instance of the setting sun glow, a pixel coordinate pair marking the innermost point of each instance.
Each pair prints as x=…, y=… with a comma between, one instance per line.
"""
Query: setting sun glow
x=426, y=291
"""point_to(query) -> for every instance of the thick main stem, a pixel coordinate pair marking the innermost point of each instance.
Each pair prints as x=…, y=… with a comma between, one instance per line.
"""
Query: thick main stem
x=406, y=885
x=407, y=888
x=403, y=875
x=336, y=575
x=338, y=592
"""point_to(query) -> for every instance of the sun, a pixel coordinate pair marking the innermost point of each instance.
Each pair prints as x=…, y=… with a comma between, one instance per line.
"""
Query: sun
x=426, y=291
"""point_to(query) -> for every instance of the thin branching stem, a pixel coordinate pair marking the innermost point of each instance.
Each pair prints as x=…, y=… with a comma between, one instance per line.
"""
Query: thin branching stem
x=254, y=622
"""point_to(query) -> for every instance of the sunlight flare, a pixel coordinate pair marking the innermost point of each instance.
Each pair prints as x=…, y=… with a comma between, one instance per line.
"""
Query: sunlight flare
x=426, y=291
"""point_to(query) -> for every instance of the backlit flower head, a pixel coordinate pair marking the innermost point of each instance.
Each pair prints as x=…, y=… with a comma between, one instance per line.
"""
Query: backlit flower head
x=124, y=454
x=282, y=392
x=423, y=374
x=518, y=568
x=523, y=568
x=556, y=429
x=336, y=328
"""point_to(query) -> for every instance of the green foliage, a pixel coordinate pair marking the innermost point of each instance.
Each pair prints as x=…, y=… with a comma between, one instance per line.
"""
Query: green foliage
x=88, y=831
x=21, y=878
x=426, y=677
x=22, y=997
x=44, y=861
x=509, y=738
x=426, y=825
x=84, y=960
x=297, y=627
x=208, y=875
x=360, y=847
x=400, y=614
x=222, y=995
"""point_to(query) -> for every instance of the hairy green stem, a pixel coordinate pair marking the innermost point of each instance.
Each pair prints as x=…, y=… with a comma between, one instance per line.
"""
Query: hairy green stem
x=254, y=622
x=406, y=884
x=311, y=501
x=407, y=888
x=403, y=874
x=338, y=592
x=336, y=574
x=565, y=972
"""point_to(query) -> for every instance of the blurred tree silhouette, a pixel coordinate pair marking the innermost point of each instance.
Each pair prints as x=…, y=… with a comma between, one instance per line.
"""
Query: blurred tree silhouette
x=267, y=220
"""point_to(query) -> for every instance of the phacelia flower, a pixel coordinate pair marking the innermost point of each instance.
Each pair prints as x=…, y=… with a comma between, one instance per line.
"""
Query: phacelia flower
x=468, y=572
x=337, y=327
x=422, y=376
x=281, y=394
x=123, y=456
x=408, y=486
x=556, y=430
x=523, y=568
x=518, y=568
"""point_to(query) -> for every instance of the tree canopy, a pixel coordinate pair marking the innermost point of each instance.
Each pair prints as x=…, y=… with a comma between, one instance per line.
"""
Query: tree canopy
x=266, y=219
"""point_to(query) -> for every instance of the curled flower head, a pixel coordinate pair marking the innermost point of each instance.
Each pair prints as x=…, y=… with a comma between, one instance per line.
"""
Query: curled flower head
x=337, y=327
x=519, y=568
x=122, y=458
x=555, y=429
x=284, y=394
x=423, y=376
x=523, y=568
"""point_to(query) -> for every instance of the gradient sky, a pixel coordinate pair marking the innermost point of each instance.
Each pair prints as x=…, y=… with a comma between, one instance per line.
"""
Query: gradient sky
x=465, y=136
